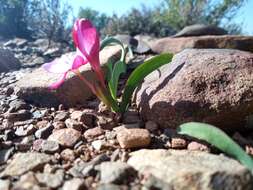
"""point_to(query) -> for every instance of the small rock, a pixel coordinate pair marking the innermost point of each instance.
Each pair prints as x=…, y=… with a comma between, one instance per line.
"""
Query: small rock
x=44, y=132
x=93, y=132
x=66, y=137
x=25, y=130
x=42, y=124
x=17, y=104
x=50, y=147
x=5, y=154
x=5, y=184
x=61, y=116
x=71, y=123
x=97, y=145
x=27, y=181
x=51, y=180
x=23, y=162
x=37, y=145
x=68, y=155
x=74, y=184
x=131, y=116
x=198, y=146
x=133, y=138
x=115, y=172
x=21, y=115
x=59, y=125
x=178, y=143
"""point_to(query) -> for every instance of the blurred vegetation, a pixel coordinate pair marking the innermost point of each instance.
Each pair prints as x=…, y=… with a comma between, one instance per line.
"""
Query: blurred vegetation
x=50, y=18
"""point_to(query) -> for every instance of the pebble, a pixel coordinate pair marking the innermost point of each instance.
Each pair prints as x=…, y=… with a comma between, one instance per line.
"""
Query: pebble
x=65, y=137
x=21, y=115
x=44, y=132
x=25, y=130
x=5, y=184
x=74, y=184
x=50, y=147
x=178, y=143
x=68, y=155
x=93, y=132
x=51, y=180
x=198, y=146
x=115, y=172
x=61, y=116
x=133, y=138
x=18, y=104
x=5, y=154
x=98, y=144
x=71, y=123
x=24, y=162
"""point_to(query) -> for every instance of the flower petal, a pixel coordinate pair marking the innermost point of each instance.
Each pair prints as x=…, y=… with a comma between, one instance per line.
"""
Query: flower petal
x=59, y=82
x=85, y=23
x=88, y=41
x=57, y=66
x=78, y=62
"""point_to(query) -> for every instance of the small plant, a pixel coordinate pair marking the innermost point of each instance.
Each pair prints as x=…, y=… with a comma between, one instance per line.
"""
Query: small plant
x=87, y=43
x=217, y=138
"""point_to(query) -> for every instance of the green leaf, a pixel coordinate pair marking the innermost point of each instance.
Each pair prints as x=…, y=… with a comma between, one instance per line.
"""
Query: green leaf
x=217, y=138
x=139, y=74
x=118, y=69
x=109, y=41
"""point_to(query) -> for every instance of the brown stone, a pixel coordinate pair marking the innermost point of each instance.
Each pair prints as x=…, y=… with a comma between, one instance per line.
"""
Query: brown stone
x=34, y=86
x=133, y=138
x=66, y=137
x=207, y=85
x=94, y=132
x=175, y=45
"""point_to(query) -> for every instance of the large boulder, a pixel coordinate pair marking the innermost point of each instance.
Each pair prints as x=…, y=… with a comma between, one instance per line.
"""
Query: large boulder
x=8, y=61
x=33, y=87
x=206, y=85
x=200, y=30
x=180, y=170
x=175, y=45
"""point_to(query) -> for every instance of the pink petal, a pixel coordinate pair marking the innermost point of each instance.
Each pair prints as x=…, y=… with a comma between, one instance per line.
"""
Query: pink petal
x=57, y=66
x=88, y=41
x=78, y=62
x=59, y=82
x=85, y=23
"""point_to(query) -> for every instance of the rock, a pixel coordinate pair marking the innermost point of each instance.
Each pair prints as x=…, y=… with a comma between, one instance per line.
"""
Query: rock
x=51, y=180
x=178, y=143
x=71, y=123
x=33, y=87
x=93, y=132
x=27, y=181
x=8, y=61
x=86, y=116
x=207, y=85
x=198, y=146
x=127, y=40
x=5, y=184
x=65, y=137
x=5, y=154
x=176, y=45
x=68, y=155
x=17, y=104
x=115, y=172
x=23, y=162
x=200, y=30
x=44, y=132
x=192, y=170
x=133, y=138
x=109, y=186
x=20, y=115
x=74, y=184
x=16, y=42
x=25, y=130
x=61, y=116
x=50, y=147
x=98, y=144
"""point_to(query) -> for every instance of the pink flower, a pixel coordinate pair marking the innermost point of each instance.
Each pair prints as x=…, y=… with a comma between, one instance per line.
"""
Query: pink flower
x=87, y=44
x=86, y=39
x=63, y=66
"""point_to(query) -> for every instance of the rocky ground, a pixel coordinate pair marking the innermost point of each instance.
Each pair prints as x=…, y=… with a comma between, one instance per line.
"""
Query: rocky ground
x=57, y=140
